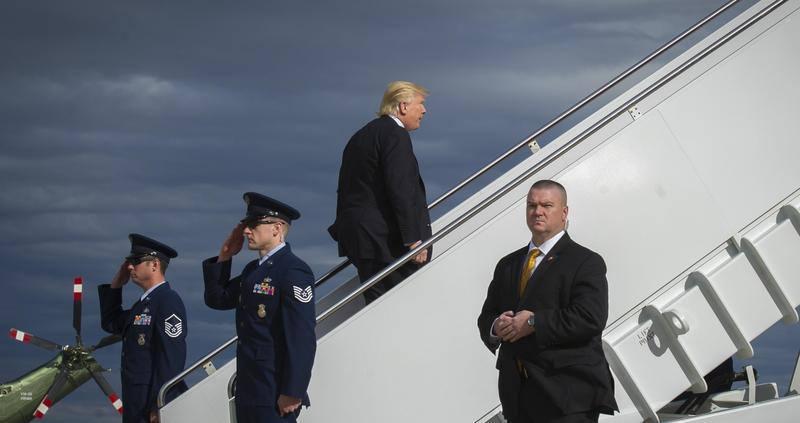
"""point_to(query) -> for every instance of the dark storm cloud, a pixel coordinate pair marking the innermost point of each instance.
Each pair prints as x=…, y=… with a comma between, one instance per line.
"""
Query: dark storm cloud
x=155, y=117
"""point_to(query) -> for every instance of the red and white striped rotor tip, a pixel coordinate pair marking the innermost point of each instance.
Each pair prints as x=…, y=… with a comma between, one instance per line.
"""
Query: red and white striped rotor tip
x=43, y=407
x=77, y=288
x=116, y=402
x=19, y=335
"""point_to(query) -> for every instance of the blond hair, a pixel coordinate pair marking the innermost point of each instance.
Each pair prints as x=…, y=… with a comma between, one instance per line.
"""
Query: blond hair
x=399, y=92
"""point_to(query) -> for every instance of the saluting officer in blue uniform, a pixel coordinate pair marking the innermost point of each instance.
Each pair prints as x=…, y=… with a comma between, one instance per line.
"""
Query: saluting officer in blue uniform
x=275, y=319
x=154, y=329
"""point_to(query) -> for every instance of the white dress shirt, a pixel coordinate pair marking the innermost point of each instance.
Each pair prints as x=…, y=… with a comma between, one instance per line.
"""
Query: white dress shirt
x=152, y=288
x=271, y=252
x=397, y=120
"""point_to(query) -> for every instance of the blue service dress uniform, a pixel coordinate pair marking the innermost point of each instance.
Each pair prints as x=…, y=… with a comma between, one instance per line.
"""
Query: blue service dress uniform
x=275, y=322
x=153, y=346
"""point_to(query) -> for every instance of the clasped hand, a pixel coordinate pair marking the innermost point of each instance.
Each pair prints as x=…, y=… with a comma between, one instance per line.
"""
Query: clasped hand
x=512, y=326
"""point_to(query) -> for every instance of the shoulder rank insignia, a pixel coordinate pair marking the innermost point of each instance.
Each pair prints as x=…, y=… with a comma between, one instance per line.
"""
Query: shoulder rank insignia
x=303, y=295
x=173, y=326
x=140, y=341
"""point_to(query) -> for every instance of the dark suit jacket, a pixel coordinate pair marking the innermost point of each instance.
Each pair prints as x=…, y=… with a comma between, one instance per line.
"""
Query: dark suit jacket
x=381, y=203
x=568, y=294
x=153, y=346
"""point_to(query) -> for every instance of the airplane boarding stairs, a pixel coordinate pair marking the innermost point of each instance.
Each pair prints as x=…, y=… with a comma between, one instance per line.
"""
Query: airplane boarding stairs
x=688, y=185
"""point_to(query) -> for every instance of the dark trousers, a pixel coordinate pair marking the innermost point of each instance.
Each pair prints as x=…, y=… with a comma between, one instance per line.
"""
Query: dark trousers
x=256, y=414
x=543, y=412
x=590, y=417
x=368, y=268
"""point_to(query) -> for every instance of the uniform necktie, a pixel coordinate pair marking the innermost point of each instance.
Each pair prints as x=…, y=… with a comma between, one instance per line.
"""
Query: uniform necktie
x=528, y=269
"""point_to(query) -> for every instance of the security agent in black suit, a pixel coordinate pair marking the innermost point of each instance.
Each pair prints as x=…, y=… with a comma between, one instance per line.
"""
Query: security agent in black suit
x=551, y=362
x=275, y=318
x=381, y=209
x=154, y=330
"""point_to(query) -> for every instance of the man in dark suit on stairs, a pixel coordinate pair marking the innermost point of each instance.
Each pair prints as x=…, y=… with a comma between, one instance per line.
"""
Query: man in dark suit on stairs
x=545, y=310
x=381, y=209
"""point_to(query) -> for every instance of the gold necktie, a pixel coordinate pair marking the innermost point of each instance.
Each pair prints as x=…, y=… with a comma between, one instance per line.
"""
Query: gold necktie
x=528, y=270
x=523, y=283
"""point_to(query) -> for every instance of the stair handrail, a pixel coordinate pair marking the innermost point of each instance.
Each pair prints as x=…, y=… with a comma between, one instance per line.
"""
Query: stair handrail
x=552, y=156
x=567, y=113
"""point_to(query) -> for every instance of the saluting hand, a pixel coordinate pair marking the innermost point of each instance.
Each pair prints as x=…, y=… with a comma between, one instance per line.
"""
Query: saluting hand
x=233, y=244
x=123, y=275
x=287, y=404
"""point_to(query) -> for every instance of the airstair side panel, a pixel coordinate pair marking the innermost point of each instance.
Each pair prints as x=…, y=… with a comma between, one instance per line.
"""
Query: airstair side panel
x=205, y=402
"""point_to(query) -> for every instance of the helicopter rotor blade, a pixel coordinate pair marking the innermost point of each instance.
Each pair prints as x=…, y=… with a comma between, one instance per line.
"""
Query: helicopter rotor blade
x=47, y=401
x=107, y=390
x=27, y=338
x=77, y=294
x=108, y=340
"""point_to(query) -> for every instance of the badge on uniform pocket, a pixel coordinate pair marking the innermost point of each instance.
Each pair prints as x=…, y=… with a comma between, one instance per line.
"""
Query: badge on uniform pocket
x=262, y=311
x=140, y=341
